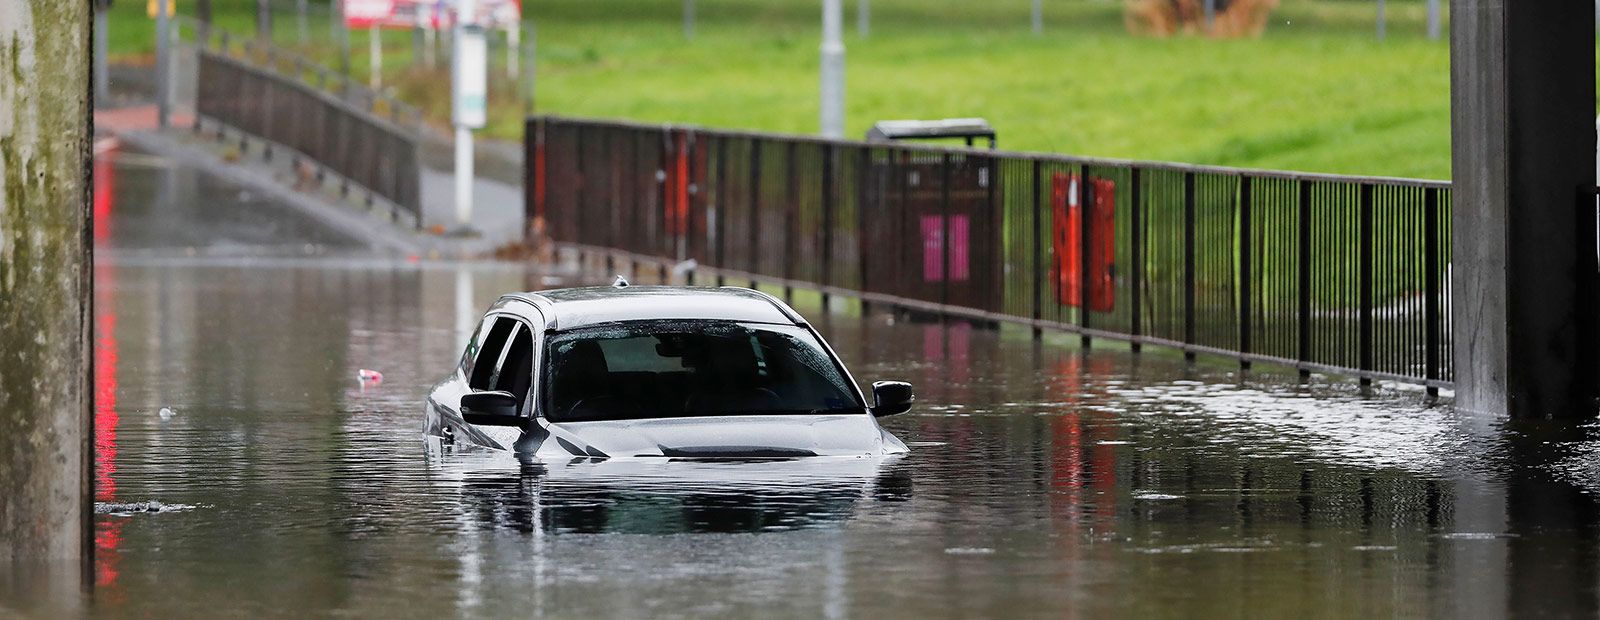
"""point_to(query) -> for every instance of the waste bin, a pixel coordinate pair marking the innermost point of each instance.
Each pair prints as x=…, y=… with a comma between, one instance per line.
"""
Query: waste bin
x=933, y=218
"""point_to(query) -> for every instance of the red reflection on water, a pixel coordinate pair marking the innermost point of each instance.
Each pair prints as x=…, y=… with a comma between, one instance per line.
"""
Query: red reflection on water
x=104, y=179
x=107, y=532
x=1079, y=458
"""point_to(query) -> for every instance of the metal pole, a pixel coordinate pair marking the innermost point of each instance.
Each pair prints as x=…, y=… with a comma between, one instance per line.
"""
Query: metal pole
x=102, y=80
x=832, y=70
x=1246, y=268
x=688, y=19
x=430, y=46
x=163, y=60
x=864, y=17
x=1383, y=26
x=1038, y=16
x=375, y=57
x=1433, y=18
x=1365, y=356
x=531, y=80
x=466, y=17
x=1189, y=251
x=264, y=20
x=513, y=51
x=1036, y=248
x=1211, y=14
x=341, y=33
x=304, y=26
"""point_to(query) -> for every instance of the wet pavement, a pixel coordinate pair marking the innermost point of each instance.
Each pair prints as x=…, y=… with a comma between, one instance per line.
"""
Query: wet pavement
x=1044, y=480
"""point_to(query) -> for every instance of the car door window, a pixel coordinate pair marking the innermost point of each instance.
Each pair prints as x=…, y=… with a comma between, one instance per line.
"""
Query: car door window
x=516, y=366
x=487, y=360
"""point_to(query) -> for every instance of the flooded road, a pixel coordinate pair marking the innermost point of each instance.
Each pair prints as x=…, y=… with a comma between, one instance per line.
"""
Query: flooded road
x=1044, y=480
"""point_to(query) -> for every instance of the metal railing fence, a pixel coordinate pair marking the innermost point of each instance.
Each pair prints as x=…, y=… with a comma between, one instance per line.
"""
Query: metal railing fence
x=265, y=93
x=1323, y=273
x=299, y=67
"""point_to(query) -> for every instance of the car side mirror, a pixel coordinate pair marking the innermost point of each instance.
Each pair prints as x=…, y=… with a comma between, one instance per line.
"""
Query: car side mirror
x=891, y=397
x=491, y=409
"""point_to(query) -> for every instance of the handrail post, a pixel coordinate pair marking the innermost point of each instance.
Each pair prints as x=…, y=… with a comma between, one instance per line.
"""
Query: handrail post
x=1085, y=274
x=1303, y=223
x=863, y=240
x=1432, y=345
x=944, y=229
x=722, y=209
x=828, y=206
x=754, y=223
x=1136, y=222
x=1246, y=269
x=1188, y=264
x=1365, y=327
x=791, y=246
x=1037, y=250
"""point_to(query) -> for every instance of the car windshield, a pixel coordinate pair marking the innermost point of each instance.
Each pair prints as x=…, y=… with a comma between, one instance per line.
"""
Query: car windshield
x=700, y=368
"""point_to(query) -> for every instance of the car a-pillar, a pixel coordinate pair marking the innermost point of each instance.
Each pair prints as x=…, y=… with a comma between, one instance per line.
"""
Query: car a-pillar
x=45, y=288
x=1523, y=265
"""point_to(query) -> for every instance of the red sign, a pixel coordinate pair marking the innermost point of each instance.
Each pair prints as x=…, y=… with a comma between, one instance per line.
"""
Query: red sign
x=368, y=13
x=434, y=14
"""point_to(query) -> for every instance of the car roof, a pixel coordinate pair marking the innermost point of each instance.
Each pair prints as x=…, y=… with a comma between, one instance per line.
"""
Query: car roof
x=573, y=308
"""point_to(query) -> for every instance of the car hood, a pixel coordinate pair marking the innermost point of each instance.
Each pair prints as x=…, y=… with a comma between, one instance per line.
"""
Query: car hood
x=759, y=436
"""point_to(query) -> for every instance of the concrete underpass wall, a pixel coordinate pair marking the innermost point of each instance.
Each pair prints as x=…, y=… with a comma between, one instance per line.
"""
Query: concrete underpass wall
x=45, y=402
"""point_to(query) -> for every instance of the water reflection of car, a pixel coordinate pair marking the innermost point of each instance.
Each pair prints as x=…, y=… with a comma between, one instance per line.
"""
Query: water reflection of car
x=657, y=371
x=658, y=496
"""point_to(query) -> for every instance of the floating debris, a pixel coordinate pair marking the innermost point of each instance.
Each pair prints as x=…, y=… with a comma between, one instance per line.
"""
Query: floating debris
x=969, y=550
x=1474, y=536
x=166, y=413
x=1153, y=496
x=368, y=377
x=128, y=509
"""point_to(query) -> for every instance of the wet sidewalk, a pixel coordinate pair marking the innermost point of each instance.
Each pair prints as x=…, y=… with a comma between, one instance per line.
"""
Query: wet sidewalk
x=497, y=214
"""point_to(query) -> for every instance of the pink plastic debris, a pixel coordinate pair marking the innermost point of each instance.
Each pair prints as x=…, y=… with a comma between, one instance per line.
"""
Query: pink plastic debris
x=369, y=377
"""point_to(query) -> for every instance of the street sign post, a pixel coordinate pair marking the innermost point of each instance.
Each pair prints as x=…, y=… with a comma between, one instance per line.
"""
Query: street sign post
x=469, y=69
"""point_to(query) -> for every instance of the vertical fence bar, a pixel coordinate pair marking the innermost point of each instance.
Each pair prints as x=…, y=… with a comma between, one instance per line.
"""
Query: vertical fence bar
x=944, y=227
x=1038, y=248
x=578, y=192
x=1432, y=342
x=828, y=206
x=1085, y=274
x=753, y=224
x=1188, y=264
x=898, y=239
x=863, y=240
x=1136, y=222
x=722, y=209
x=1246, y=269
x=791, y=199
x=1364, y=284
x=1303, y=326
x=995, y=272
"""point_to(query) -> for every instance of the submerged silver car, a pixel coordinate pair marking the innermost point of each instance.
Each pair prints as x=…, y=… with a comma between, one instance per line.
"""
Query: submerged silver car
x=657, y=371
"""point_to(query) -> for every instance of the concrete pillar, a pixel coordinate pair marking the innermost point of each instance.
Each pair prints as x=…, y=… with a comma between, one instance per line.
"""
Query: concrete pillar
x=1522, y=94
x=45, y=399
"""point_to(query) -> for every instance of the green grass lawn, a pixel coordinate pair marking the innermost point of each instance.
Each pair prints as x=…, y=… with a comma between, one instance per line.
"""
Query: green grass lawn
x=1318, y=92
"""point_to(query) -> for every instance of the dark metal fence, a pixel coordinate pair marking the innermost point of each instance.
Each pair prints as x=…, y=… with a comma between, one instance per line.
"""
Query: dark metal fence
x=1318, y=272
x=259, y=97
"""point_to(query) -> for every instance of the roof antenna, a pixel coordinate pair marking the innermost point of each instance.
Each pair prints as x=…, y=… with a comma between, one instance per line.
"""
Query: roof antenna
x=620, y=282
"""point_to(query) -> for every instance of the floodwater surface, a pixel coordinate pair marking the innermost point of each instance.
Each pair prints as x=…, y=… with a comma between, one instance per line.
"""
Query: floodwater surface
x=1043, y=479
